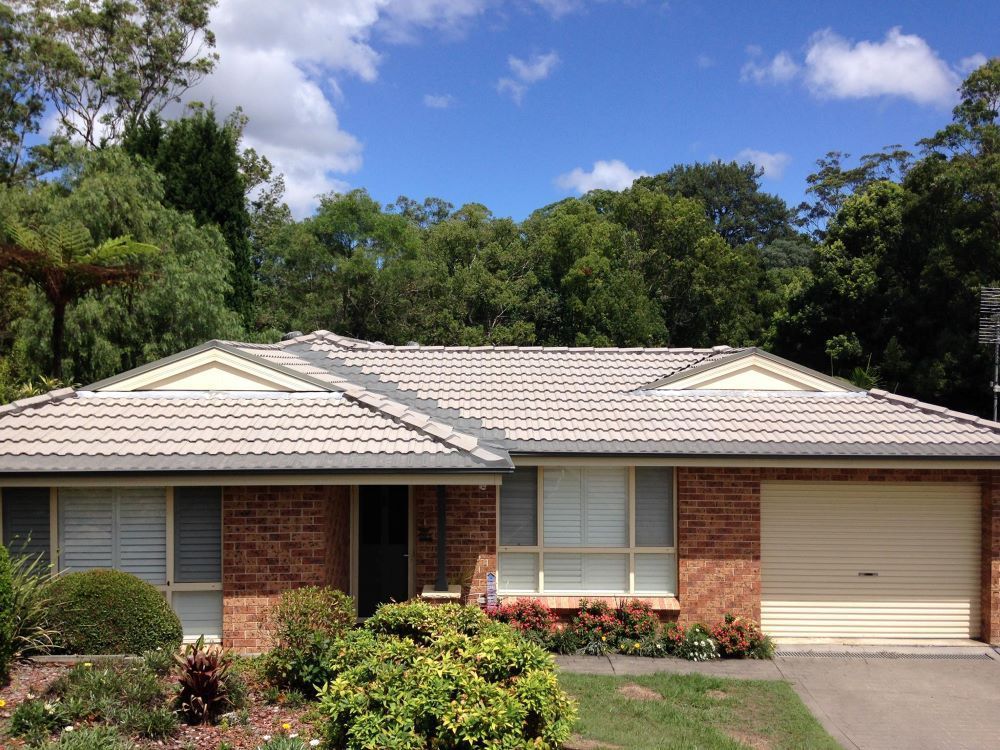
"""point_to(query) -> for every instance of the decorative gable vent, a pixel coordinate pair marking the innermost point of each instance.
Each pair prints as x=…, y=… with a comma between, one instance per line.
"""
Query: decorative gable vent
x=211, y=367
x=752, y=370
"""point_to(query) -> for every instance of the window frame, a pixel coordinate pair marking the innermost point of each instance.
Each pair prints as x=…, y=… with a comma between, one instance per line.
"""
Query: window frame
x=631, y=549
x=170, y=586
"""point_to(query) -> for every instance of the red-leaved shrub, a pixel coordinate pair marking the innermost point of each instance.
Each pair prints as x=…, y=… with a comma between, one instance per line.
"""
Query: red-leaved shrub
x=526, y=615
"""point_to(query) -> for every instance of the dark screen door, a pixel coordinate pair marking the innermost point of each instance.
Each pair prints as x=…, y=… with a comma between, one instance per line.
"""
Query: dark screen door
x=383, y=544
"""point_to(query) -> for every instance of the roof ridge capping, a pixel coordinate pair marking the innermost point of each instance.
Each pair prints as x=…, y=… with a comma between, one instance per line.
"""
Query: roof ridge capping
x=942, y=411
x=437, y=430
x=60, y=394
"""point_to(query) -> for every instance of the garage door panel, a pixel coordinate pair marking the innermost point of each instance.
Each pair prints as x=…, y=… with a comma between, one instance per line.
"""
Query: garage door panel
x=922, y=539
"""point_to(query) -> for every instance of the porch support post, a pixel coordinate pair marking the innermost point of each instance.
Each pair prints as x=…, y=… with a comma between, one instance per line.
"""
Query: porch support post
x=441, y=584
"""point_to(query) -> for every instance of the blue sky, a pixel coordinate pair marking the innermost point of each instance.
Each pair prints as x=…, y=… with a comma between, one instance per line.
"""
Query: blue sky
x=512, y=104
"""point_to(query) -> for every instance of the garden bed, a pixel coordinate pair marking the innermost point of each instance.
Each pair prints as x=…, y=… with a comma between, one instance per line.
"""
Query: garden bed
x=266, y=714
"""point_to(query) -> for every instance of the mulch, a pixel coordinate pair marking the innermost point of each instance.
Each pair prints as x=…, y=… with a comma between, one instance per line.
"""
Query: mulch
x=31, y=680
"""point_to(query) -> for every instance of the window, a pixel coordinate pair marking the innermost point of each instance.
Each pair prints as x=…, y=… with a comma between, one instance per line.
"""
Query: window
x=592, y=529
x=25, y=522
x=169, y=537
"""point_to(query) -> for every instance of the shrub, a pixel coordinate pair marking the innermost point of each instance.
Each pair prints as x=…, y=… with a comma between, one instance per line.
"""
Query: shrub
x=32, y=634
x=566, y=640
x=472, y=684
x=6, y=615
x=110, y=612
x=305, y=623
x=636, y=619
x=90, y=738
x=742, y=639
x=159, y=661
x=698, y=645
x=596, y=626
x=530, y=616
x=34, y=720
x=204, y=683
x=672, y=636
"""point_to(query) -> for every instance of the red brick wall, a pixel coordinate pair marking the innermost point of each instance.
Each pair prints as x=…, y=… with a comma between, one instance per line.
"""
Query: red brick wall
x=471, y=537
x=277, y=538
x=718, y=543
x=718, y=540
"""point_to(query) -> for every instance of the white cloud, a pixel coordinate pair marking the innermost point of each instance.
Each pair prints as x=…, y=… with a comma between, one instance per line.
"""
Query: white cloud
x=280, y=61
x=604, y=175
x=537, y=68
x=773, y=164
x=900, y=65
x=780, y=69
x=968, y=64
x=526, y=72
x=704, y=61
x=438, y=101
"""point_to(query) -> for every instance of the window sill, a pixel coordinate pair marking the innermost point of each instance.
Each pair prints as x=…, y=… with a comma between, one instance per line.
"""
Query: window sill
x=572, y=601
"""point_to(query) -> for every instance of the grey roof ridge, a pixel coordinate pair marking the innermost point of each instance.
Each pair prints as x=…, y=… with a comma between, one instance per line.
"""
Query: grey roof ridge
x=941, y=411
x=437, y=430
x=347, y=342
x=60, y=394
x=710, y=363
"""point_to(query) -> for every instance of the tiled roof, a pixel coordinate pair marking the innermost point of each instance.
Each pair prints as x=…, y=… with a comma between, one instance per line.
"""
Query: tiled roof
x=211, y=432
x=466, y=408
x=571, y=400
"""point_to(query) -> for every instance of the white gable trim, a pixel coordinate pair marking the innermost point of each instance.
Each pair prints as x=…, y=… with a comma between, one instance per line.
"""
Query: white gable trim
x=753, y=371
x=212, y=369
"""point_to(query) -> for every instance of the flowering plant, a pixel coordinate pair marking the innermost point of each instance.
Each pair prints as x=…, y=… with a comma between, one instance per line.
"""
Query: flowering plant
x=741, y=638
x=525, y=615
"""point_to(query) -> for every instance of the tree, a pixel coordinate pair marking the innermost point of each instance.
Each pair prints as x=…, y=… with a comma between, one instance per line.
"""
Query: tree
x=21, y=98
x=730, y=192
x=65, y=264
x=109, y=63
x=202, y=168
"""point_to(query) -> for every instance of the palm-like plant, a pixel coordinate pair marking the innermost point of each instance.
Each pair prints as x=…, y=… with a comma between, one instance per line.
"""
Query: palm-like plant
x=65, y=263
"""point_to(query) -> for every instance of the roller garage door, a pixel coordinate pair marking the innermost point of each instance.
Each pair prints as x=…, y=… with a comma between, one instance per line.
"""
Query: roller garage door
x=866, y=560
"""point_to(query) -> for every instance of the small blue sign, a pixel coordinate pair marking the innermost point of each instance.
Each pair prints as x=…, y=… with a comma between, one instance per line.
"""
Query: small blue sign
x=491, y=590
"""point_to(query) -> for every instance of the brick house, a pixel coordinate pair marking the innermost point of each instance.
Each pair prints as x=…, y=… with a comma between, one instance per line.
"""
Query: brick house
x=704, y=480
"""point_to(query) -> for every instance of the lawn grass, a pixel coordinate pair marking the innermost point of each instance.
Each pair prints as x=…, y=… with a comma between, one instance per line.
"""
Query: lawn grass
x=706, y=713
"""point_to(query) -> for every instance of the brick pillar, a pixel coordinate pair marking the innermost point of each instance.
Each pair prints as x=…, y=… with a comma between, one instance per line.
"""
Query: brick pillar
x=718, y=543
x=471, y=536
x=991, y=558
x=278, y=538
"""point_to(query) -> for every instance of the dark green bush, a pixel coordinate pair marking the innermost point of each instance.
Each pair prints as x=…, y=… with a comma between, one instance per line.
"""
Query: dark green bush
x=305, y=622
x=6, y=615
x=110, y=612
x=419, y=676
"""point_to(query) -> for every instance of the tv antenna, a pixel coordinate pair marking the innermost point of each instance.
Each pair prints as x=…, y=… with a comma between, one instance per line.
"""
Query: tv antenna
x=989, y=333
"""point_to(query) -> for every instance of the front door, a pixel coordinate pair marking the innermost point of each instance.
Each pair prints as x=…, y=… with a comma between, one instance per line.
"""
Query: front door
x=383, y=546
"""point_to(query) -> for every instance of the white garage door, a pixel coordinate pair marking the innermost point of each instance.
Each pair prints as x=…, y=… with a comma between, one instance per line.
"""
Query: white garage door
x=852, y=560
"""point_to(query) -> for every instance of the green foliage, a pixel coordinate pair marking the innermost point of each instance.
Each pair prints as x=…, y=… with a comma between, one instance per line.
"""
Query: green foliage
x=739, y=638
x=199, y=160
x=90, y=738
x=306, y=622
x=108, y=64
x=698, y=645
x=110, y=612
x=34, y=720
x=160, y=661
x=31, y=632
x=204, y=681
x=128, y=696
x=423, y=676
x=285, y=742
x=8, y=626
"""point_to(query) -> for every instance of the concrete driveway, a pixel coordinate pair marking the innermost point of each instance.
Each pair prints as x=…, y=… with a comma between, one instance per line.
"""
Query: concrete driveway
x=876, y=703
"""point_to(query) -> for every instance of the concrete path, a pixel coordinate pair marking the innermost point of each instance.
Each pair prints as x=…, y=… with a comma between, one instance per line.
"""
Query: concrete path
x=865, y=700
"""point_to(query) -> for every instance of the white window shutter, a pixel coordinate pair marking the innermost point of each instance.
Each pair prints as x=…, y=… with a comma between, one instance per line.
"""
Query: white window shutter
x=606, y=510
